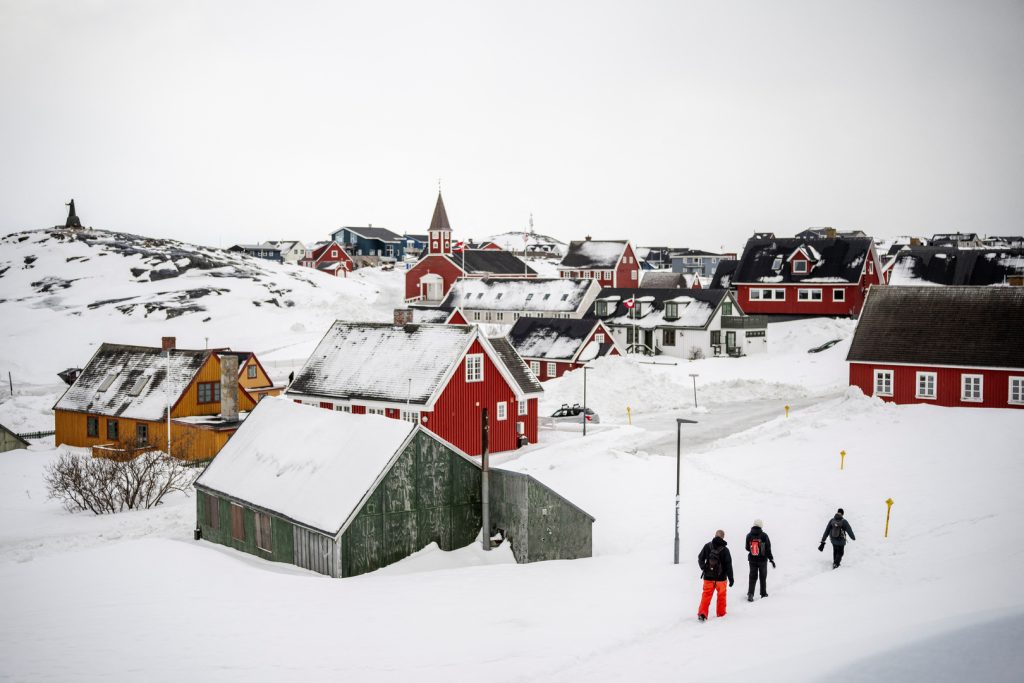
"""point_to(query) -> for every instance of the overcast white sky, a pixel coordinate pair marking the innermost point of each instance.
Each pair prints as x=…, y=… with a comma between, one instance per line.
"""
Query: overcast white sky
x=686, y=123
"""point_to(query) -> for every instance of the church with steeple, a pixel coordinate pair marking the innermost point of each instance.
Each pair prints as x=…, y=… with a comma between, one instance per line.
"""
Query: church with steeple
x=444, y=261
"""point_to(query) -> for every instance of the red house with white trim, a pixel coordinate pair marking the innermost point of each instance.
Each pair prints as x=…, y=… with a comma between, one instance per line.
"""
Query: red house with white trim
x=433, y=275
x=554, y=346
x=795, y=276
x=612, y=263
x=330, y=258
x=945, y=346
x=440, y=376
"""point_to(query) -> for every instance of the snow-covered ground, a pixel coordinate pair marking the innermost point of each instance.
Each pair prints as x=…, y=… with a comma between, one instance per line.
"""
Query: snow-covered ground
x=132, y=596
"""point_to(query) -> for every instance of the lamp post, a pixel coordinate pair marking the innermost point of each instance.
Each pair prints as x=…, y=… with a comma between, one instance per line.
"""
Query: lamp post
x=694, y=375
x=585, y=368
x=679, y=443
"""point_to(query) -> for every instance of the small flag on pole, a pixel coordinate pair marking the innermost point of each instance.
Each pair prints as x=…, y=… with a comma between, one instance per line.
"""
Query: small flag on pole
x=458, y=246
x=629, y=303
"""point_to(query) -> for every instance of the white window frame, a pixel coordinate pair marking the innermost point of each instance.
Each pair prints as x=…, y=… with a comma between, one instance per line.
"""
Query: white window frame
x=838, y=294
x=1020, y=390
x=963, y=388
x=535, y=367
x=501, y=411
x=522, y=408
x=599, y=338
x=474, y=367
x=250, y=372
x=410, y=416
x=891, y=376
x=375, y=411
x=552, y=369
x=809, y=298
x=802, y=264
x=632, y=274
x=918, y=393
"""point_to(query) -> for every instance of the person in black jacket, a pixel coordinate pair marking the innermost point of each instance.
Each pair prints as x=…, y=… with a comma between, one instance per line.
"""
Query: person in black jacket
x=759, y=554
x=836, y=531
x=715, y=564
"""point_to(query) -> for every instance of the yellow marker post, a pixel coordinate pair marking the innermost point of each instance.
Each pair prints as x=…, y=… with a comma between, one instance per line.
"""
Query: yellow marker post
x=888, y=512
x=842, y=459
x=629, y=415
x=787, y=411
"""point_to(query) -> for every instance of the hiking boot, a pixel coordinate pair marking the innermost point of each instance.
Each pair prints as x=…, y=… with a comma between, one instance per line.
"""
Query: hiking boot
x=702, y=617
x=750, y=598
x=835, y=566
x=764, y=595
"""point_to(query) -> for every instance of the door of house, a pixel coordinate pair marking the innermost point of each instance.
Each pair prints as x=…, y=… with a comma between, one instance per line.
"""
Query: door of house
x=649, y=340
x=730, y=341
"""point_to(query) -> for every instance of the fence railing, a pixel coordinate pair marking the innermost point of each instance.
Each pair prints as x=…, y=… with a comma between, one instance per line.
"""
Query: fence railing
x=36, y=435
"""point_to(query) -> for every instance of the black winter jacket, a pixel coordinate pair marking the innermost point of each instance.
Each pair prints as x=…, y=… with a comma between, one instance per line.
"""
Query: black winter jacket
x=725, y=561
x=766, y=546
x=847, y=531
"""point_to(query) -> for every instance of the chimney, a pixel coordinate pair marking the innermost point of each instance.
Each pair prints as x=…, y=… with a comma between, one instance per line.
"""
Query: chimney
x=403, y=316
x=229, y=387
x=168, y=343
x=587, y=238
x=915, y=241
x=830, y=233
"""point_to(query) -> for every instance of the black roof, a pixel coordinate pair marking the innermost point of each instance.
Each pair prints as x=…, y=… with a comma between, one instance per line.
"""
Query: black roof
x=959, y=326
x=570, y=328
x=661, y=279
x=382, y=234
x=725, y=269
x=713, y=297
x=842, y=257
x=516, y=366
x=492, y=261
x=953, y=266
x=593, y=254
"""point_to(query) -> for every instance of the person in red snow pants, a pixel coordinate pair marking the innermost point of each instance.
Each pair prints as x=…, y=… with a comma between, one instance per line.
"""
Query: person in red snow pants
x=716, y=569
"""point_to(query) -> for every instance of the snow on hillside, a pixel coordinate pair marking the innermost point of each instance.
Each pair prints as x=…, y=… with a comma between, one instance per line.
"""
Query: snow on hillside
x=515, y=239
x=62, y=293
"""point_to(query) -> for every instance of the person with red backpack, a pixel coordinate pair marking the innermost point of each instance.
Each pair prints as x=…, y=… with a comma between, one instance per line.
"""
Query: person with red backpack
x=759, y=554
x=836, y=531
x=715, y=564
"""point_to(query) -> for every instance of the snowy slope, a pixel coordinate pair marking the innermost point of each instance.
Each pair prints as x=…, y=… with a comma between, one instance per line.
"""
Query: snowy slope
x=62, y=293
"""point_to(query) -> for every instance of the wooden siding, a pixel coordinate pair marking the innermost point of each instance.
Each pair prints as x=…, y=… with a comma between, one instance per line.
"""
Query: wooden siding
x=623, y=270
x=188, y=404
x=995, y=385
x=436, y=264
x=282, y=535
x=262, y=379
x=314, y=551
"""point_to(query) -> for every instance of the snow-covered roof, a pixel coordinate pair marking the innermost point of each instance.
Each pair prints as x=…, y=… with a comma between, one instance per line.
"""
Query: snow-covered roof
x=952, y=266
x=694, y=307
x=317, y=480
x=602, y=254
x=555, y=295
x=763, y=259
x=131, y=381
x=551, y=338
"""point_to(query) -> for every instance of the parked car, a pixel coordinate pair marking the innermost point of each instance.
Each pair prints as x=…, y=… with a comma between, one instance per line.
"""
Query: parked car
x=574, y=414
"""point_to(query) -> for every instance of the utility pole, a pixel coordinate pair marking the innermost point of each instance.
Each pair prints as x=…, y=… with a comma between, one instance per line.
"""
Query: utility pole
x=679, y=448
x=585, y=368
x=694, y=375
x=167, y=400
x=485, y=493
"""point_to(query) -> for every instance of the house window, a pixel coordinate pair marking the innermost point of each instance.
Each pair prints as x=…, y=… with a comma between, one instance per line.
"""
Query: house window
x=522, y=408
x=250, y=372
x=142, y=434
x=871, y=267
x=668, y=337
x=599, y=338
x=374, y=411
x=552, y=370
x=925, y=385
x=601, y=308
x=264, y=537
x=838, y=294
x=671, y=311
x=112, y=430
x=212, y=511
x=970, y=388
x=209, y=392
x=411, y=416
x=632, y=274
x=502, y=410
x=727, y=308
x=237, y=522
x=1017, y=390
x=883, y=382
x=755, y=294
x=799, y=266
x=716, y=337
x=475, y=367
x=334, y=253
x=476, y=315
x=343, y=409
x=435, y=244
x=535, y=367
x=808, y=295
x=92, y=426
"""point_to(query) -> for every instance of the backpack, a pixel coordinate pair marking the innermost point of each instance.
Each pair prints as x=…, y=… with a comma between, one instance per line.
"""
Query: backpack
x=755, y=547
x=713, y=565
x=837, y=529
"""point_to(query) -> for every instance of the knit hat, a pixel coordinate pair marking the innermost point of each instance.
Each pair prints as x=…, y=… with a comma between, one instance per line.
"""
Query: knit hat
x=758, y=523
x=841, y=511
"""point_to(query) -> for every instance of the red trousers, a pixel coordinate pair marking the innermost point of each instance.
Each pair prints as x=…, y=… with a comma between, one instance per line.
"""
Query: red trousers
x=705, y=598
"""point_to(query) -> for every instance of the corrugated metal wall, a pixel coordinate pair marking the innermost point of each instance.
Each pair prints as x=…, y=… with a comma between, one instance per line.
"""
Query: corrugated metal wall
x=314, y=551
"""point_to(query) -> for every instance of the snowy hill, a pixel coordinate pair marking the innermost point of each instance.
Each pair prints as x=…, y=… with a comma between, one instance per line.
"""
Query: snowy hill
x=514, y=240
x=64, y=292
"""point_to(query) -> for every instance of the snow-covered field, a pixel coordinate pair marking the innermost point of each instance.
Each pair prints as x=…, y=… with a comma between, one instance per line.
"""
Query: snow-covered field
x=132, y=596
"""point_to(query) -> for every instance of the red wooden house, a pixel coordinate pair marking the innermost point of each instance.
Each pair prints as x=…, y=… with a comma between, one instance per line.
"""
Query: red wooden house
x=439, y=376
x=794, y=276
x=433, y=275
x=554, y=346
x=612, y=263
x=947, y=346
x=330, y=258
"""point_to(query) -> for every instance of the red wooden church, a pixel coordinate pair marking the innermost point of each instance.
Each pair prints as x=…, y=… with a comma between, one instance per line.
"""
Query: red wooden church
x=440, y=376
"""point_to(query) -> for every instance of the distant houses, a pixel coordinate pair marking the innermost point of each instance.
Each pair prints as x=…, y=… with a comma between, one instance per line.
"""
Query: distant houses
x=698, y=262
x=292, y=251
x=955, y=266
x=330, y=258
x=612, y=263
x=946, y=346
x=503, y=301
x=263, y=251
x=371, y=241
x=554, y=346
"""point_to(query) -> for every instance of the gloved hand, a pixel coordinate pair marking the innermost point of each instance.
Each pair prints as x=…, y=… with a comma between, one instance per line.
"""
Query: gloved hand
x=821, y=548
x=773, y=563
x=730, y=583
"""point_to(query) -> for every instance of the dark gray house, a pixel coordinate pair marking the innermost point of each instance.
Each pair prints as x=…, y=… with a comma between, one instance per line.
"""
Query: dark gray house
x=9, y=441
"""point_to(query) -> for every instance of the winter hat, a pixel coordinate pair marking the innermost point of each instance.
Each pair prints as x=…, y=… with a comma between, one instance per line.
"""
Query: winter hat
x=841, y=511
x=758, y=523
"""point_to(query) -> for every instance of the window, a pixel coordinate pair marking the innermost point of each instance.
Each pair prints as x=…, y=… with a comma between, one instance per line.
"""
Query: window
x=565, y=297
x=264, y=537
x=838, y=294
x=502, y=410
x=250, y=372
x=552, y=370
x=343, y=409
x=212, y=511
x=601, y=308
x=777, y=263
x=237, y=522
x=374, y=411
x=808, y=295
x=535, y=367
x=522, y=408
x=476, y=315
x=435, y=244
x=142, y=434
x=209, y=392
x=112, y=430
x=716, y=337
x=411, y=416
x=529, y=296
x=92, y=426
x=970, y=388
x=767, y=294
x=334, y=253
x=800, y=266
x=668, y=337
x=139, y=385
x=632, y=274
x=755, y=333
x=727, y=308
x=871, y=267
x=1017, y=390
x=671, y=310
x=925, y=385
x=475, y=367
x=883, y=382
x=107, y=381
x=599, y=338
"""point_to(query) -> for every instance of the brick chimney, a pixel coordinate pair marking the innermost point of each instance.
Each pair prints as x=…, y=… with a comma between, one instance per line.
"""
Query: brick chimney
x=587, y=238
x=168, y=343
x=229, y=387
x=403, y=316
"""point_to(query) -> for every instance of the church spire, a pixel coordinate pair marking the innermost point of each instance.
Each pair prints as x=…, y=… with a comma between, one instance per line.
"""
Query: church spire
x=440, y=230
x=440, y=218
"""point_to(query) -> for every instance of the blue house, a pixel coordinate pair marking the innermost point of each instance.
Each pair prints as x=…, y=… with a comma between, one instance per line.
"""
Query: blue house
x=697, y=262
x=415, y=244
x=371, y=241
x=263, y=251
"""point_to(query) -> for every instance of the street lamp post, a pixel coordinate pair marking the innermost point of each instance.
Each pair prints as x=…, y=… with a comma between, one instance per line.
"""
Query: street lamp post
x=585, y=368
x=694, y=375
x=679, y=443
